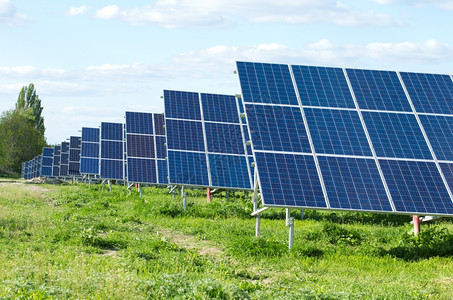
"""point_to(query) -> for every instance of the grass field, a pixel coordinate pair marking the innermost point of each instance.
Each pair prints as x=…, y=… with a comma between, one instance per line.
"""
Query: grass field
x=70, y=241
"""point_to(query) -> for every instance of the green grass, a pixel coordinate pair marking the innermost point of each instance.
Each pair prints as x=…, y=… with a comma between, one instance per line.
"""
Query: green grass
x=74, y=242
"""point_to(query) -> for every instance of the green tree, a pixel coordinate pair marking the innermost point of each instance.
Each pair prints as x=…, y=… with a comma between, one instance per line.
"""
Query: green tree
x=19, y=141
x=28, y=102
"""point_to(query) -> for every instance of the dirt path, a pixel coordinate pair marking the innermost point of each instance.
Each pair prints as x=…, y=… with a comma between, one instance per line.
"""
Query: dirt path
x=190, y=242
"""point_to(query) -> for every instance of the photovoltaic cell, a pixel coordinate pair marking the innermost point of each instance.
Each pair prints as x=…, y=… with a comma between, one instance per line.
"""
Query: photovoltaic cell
x=182, y=105
x=219, y=108
x=321, y=86
x=229, y=170
x=47, y=161
x=337, y=132
x=190, y=168
x=416, y=187
x=430, y=93
x=140, y=146
x=378, y=90
x=161, y=149
x=353, y=183
x=184, y=135
x=141, y=170
x=396, y=135
x=439, y=130
x=277, y=128
x=162, y=171
x=138, y=122
x=159, y=123
x=74, y=155
x=224, y=138
x=292, y=175
x=266, y=83
x=64, y=159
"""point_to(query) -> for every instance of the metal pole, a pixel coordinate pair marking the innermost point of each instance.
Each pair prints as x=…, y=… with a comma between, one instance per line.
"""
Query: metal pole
x=140, y=190
x=110, y=185
x=416, y=221
x=302, y=214
x=290, y=224
x=184, y=201
x=255, y=205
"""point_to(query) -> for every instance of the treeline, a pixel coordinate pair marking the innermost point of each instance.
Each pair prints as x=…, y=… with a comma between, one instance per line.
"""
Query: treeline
x=21, y=132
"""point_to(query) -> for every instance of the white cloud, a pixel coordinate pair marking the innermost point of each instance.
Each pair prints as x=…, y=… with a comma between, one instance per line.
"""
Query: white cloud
x=77, y=10
x=203, y=13
x=108, y=12
x=442, y=4
x=9, y=14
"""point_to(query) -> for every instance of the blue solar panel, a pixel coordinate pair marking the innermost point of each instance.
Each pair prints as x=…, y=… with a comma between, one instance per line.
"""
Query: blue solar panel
x=337, y=132
x=159, y=123
x=112, y=131
x=112, y=150
x=430, y=93
x=141, y=170
x=277, y=128
x=89, y=153
x=90, y=134
x=224, y=138
x=56, y=161
x=266, y=83
x=229, y=170
x=47, y=161
x=188, y=168
x=185, y=135
x=64, y=159
x=64, y=147
x=112, y=169
x=219, y=108
x=439, y=130
x=396, y=135
x=353, y=183
x=217, y=131
x=89, y=165
x=162, y=171
x=447, y=170
x=137, y=122
x=89, y=150
x=416, y=187
x=378, y=90
x=321, y=86
x=291, y=175
x=140, y=146
x=161, y=149
x=182, y=105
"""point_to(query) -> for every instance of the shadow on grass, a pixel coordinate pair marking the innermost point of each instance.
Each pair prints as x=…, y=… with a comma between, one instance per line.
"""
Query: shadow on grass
x=431, y=242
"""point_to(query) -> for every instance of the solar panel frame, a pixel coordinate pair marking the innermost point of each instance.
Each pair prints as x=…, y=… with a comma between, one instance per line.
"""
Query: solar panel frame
x=405, y=107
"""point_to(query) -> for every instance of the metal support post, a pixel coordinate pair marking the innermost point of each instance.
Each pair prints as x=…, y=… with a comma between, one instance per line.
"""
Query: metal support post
x=290, y=224
x=110, y=185
x=416, y=221
x=302, y=212
x=140, y=190
x=255, y=206
x=184, y=201
x=208, y=195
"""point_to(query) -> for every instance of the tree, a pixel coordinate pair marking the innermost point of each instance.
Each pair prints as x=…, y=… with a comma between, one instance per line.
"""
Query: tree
x=29, y=103
x=19, y=141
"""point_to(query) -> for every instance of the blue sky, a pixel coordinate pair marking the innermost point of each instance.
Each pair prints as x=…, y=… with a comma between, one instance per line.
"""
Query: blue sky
x=92, y=61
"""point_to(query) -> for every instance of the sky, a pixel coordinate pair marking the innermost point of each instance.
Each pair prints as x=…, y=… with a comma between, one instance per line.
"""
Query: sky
x=92, y=61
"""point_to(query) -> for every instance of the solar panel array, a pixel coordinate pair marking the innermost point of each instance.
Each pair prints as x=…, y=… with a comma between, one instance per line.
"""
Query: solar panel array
x=145, y=148
x=112, y=151
x=89, y=156
x=347, y=139
x=205, y=141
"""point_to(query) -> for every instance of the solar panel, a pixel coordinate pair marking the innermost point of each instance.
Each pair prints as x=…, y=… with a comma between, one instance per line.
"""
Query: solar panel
x=74, y=155
x=47, y=161
x=56, y=161
x=64, y=159
x=112, y=151
x=359, y=140
x=145, y=145
x=205, y=142
x=89, y=152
